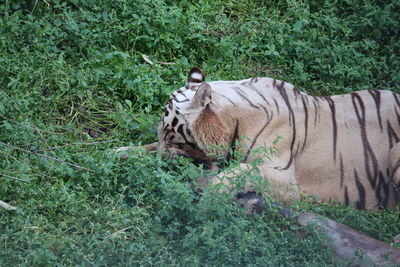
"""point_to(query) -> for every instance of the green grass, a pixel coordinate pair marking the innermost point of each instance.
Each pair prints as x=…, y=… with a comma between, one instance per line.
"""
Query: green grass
x=74, y=84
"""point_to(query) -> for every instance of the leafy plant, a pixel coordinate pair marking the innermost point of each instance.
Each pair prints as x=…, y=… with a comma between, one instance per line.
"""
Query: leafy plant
x=79, y=78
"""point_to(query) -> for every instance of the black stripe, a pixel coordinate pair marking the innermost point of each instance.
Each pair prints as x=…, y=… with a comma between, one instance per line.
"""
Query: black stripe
x=393, y=138
x=232, y=145
x=297, y=149
x=176, y=99
x=254, y=80
x=194, y=146
x=292, y=121
x=397, y=115
x=346, y=196
x=396, y=99
x=230, y=101
x=307, y=100
x=379, y=188
x=261, y=95
x=282, y=90
x=296, y=92
x=305, y=122
x=174, y=122
x=315, y=112
x=268, y=120
x=382, y=191
x=386, y=190
x=189, y=132
x=360, y=204
x=277, y=106
x=395, y=167
x=182, y=133
x=376, y=95
x=242, y=95
x=192, y=87
x=181, y=92
x=370, y=160
x=331, y=104
x=341, y=171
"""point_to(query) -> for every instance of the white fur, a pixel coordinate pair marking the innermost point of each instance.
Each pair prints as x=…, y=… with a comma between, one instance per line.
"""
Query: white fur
x=196, y=76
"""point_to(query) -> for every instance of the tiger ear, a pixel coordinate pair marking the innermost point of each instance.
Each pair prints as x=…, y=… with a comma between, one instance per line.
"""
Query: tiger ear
x=196, y=75
x=202, y=97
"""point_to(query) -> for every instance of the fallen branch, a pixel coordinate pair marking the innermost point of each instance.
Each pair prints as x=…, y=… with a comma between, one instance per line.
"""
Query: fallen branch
x=7, y=206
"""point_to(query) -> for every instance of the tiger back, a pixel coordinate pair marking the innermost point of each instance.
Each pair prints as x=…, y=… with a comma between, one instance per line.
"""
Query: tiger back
x=343, y=147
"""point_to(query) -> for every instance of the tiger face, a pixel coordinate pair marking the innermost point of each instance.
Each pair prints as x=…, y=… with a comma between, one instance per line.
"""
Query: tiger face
x=174, y=133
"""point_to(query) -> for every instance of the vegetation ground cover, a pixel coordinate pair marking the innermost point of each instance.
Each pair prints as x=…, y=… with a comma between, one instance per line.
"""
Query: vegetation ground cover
x=78, y=78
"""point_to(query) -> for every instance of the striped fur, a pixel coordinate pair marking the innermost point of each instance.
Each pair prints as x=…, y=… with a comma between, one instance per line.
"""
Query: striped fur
x=343, y=147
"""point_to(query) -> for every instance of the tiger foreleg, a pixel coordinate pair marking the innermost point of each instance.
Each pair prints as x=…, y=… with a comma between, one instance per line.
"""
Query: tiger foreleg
x=125, y=150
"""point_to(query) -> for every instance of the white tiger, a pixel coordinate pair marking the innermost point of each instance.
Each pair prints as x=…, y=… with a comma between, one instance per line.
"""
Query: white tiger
x=343, y=147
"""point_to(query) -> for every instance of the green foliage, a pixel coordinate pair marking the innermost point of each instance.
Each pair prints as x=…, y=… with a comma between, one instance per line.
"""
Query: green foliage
x=78, y=78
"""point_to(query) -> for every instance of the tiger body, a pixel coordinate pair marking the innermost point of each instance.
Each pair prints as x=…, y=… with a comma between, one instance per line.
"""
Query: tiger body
x=341, y=147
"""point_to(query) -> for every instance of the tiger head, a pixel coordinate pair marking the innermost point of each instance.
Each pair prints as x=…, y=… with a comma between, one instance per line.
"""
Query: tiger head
x=189, y=126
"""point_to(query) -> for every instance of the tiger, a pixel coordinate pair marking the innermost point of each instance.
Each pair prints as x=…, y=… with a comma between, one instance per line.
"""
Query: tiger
x=338, y=148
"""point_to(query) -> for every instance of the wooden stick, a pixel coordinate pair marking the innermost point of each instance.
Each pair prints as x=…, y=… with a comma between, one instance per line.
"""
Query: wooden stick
x=7, y=206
